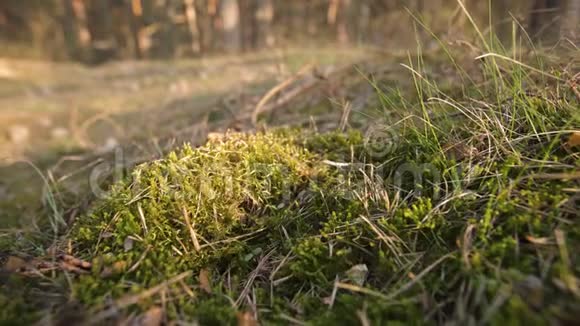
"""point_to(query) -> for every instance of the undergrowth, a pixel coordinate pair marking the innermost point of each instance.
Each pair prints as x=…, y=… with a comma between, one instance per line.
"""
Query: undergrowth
x=473, y=221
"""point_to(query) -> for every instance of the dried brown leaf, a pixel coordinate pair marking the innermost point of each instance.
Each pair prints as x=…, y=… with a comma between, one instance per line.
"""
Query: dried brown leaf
x=574, y=139
x=204, y=281
x=153, y=317
x=14, y=264
x=73, y=261
x=246, y=319
x=538, y=241
x=74, y=265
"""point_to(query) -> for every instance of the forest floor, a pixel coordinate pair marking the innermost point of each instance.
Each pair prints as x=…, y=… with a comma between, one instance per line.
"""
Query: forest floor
x=62, y=118
x=320, y=186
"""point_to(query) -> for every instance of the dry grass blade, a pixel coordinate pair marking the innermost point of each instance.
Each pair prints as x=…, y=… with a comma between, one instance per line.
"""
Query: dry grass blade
x=133, y=299
x=536, y=70
x=192, y=233
x=389, y=241
x=466, y=244
x=555, y=176
x=360, y=289
x=252, y=277
x=140, y=260
x=399, y=291
x=419, y=276
x=142, y=217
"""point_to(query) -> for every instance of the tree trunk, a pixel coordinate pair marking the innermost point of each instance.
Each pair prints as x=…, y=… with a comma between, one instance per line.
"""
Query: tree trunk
x=571, y=21
x=101, y=28
x=206, y=18
x=264, y=16
x=364, y=20
x=343, y=21
x=501, y=20
x=69, y=30
x=230, y=16
x=83, y=33
x=192, y=22
x=544, y=20
x=247, y=24
x=311, y=18
x=134, y=12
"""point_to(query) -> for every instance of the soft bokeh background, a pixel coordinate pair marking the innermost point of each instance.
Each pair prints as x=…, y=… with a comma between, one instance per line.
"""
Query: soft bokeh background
x=93, y=31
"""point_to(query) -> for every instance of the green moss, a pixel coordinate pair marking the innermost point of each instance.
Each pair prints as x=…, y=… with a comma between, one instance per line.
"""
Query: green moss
x=280, y=221
x=268, y=209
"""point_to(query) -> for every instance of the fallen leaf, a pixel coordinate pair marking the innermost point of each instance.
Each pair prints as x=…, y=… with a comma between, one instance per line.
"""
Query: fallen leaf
x=14, y=264
x=76, y=262
x=358, y=274
x=152, y=317
x=574, y=139
x=246, y=319
x=204, y=282
x=538, y=241
x=74, y=265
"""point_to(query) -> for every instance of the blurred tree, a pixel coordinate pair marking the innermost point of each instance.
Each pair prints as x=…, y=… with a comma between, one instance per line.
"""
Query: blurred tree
x=363, y=25
x=192, y=22
x=79, y=12
x=134, y=11
x=264, y=15
x=207, y=10
x=69, y=28
x=571, y=21
x=100, y=25
x=247, y=24
x=343, y=10
x=230, y=20
x=544, y=20
x=99, y=30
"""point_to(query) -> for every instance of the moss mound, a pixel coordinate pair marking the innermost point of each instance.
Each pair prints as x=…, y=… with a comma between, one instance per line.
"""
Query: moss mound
x=327, y=229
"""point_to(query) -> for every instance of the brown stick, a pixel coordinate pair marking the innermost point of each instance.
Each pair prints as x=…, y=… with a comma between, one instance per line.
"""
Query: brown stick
x=276, y=90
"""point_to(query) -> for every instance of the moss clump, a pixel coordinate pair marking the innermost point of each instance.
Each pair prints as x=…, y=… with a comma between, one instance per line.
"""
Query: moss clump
x=185, y=212
x=279, y=230
x=473, y=219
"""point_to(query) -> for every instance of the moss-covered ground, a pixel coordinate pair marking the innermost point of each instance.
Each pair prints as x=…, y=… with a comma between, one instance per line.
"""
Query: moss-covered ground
x=464, y=211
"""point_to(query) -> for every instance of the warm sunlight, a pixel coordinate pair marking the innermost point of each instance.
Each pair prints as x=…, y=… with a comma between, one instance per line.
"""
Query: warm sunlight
x=289, y=162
